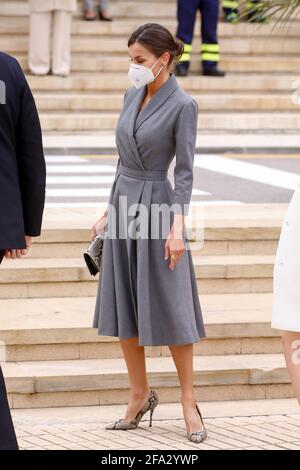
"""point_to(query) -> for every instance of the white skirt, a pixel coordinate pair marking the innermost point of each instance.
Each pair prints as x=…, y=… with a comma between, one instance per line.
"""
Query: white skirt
x=286, y=280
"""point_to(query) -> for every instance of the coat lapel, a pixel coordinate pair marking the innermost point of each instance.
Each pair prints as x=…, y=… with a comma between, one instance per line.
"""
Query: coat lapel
x=132, y=111
x=137, y=117
x=158, y=99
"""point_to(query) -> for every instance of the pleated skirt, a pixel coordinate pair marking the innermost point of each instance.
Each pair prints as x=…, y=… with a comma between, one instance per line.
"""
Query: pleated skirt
x=138, y=295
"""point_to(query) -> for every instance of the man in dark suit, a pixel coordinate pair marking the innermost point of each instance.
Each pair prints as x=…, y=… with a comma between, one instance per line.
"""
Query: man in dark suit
x=22, y=187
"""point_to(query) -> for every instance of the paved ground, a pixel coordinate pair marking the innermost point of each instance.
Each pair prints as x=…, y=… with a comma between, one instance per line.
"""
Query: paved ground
x=231, y=178
x=247, y=425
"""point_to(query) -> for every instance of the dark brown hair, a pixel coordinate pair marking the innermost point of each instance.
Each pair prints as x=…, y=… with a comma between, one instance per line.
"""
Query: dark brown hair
x=157, y=39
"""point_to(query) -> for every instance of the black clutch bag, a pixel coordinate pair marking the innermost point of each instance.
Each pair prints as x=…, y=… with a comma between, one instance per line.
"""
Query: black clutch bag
x=93, y=254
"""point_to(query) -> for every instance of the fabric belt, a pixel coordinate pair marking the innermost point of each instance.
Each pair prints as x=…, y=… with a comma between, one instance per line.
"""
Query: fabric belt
x=143, y=174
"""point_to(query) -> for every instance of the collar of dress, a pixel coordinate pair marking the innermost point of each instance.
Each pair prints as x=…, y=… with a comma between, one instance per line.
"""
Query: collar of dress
x=162, y=94
x=137, y=118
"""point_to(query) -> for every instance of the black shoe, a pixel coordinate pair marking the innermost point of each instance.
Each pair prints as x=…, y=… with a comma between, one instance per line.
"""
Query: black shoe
x=90, y=15
x=214, y=72
x=232, y=17
x=103, y=17
x=181, y=69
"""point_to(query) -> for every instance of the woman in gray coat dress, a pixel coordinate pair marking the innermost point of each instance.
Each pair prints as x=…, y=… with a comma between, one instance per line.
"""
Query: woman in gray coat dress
x=147, y=293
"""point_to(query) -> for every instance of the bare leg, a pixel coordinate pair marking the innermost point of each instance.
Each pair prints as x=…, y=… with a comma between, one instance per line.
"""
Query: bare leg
x=134, y=356
x=291, y=348
x=104, y=8
x=183, y=358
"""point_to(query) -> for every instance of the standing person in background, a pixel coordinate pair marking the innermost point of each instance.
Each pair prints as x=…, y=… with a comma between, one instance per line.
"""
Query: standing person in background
x=90, y=10
x=186, y=15
x=45, y=17
x=22, y=188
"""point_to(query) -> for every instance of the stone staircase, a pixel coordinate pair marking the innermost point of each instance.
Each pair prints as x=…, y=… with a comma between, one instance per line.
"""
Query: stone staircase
x=255, y=96
x=55, y=358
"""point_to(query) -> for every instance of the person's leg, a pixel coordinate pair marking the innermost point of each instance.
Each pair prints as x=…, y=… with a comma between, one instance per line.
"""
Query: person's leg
x=61, y=50
x=134, y=356
x=39, y=43
x=104, y=4
x=88, y=5
x=210, y=48
x=89, y=10
x=104, y=10
x=183, y=360
x=186, y=17
x=8, y=440
x=291, y=348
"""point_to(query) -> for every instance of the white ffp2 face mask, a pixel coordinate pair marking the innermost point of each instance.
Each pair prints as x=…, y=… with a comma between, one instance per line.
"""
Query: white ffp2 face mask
x=140, y=75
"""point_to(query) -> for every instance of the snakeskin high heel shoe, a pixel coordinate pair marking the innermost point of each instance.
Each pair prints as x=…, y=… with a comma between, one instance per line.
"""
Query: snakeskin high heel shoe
x=197, y=436
x=150, y=405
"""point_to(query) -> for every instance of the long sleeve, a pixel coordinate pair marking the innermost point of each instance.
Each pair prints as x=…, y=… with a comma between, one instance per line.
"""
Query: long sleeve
x=185, y=135
x=119, y=160
x=31, y=160
x=118, y=163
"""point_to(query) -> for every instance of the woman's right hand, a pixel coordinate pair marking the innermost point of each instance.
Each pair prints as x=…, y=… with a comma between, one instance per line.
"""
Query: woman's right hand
x=99, y=226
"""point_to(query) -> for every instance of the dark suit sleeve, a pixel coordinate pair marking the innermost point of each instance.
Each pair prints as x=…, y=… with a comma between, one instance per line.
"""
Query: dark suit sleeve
x=31, y=160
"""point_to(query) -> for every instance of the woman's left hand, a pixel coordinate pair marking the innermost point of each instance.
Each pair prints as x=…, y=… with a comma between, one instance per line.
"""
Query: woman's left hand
x=175, y=247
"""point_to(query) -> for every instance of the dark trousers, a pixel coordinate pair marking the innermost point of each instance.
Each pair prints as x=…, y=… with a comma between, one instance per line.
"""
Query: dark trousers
x=186, y=16
x=8, y=440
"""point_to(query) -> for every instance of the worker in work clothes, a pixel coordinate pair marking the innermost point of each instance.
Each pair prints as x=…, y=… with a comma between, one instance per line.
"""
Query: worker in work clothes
x=210, y=49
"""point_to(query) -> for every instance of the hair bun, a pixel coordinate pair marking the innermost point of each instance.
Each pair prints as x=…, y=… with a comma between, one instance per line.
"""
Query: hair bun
x=179, y=48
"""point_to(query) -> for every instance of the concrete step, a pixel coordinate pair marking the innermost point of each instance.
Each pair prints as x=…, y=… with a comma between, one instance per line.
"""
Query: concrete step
x=118, y=9
x=92, y=62
x=60, y=329
x=116, y=45
x=119, y=82
x=231, y=230
x=124, y=26
x=238, y=143
x=124, y=9
x=210, y=247
x=105, y=381
x=208, y=121
x=64, y=277
x=100, y=102
x=75, y=249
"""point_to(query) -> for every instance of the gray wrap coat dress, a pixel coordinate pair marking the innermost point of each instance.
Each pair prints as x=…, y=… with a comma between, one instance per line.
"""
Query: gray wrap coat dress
x=138, y=295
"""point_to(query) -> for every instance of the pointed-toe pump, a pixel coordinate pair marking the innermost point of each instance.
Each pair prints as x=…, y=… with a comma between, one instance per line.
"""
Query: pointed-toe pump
x=197, y=436
x=150, y=405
